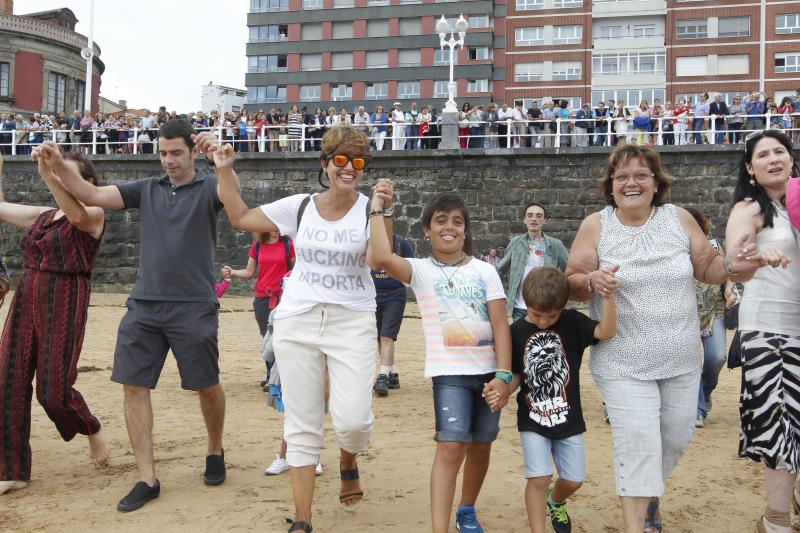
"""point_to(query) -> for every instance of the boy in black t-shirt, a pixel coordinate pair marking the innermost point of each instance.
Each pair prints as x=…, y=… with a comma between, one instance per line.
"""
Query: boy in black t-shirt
x=547, y=348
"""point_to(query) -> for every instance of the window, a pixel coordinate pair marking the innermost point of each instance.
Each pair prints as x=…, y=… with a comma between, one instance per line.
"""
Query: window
x=266, y=93
x=268, y=34
x=440, y=89
x=341, y=92
x=691, y=66
x=567, y=3
x=566, y=70
x=343, y=3
x=310, y=93
x=734, y=26
x=378, y=28
x=733, y=64
x=479, y=21
x=403, y=2
x=377, y=91
x=341, y=60
x=609, y=32
x=377, y=59
x=787, y=62
x=442, y=57
x=478, y=86
x=567, y=34
x=80, y=95
x=692, y=29
x=312, y=4
x=527, y=5
x=573, y=102
x=627, y=64
x=528, y=71
x=56, y=92
x=342, y=30
x=377, y=2
x=632, y=97
x=311, y=62
x=265, y=6
x=529, y=36
x=271, y=63
x=410, y=26
x=408, y=89
x=311, y=32
x=644, y=30
x=5, y=79
x=787, y=23
x=479, y=53
x=408, y=58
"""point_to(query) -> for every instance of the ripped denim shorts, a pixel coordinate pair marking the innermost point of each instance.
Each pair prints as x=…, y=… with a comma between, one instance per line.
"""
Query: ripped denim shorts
x=462, y=414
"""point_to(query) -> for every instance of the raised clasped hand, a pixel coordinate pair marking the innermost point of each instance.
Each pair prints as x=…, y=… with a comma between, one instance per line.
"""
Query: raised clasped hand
x=383, y=194
x=221, y=155
x=605, y=282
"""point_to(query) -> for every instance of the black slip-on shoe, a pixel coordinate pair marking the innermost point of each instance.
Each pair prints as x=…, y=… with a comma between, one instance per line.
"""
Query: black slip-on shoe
x=140, y=494
x=215, y=470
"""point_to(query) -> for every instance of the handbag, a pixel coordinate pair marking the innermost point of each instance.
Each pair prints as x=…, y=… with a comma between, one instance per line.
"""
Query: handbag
x=735, y=352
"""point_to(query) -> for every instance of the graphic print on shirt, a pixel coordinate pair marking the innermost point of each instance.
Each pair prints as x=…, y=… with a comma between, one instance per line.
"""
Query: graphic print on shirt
x=547, y=376
x=463, y=313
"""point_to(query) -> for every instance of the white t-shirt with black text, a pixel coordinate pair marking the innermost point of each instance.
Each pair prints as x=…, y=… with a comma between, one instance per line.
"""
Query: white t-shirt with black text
x=455, y=316
x=331, y=261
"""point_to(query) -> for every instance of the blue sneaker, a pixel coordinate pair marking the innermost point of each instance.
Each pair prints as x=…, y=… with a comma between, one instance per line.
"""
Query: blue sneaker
x=466, y=520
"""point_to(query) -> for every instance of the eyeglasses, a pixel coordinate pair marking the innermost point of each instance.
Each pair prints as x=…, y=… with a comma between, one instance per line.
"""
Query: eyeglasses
x=341, y=160
x=640, y=176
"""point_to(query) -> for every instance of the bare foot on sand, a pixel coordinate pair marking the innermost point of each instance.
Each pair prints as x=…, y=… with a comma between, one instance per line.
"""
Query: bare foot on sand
x=99, y=450
x=6, y=486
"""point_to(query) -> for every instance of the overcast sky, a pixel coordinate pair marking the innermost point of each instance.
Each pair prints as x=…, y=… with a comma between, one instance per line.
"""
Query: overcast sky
x=159, y=52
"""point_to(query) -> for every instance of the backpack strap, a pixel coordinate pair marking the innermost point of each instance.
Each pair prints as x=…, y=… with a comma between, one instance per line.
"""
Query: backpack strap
x=302, y=210
x=258, y=251
x=287, y=252
x=366, y=222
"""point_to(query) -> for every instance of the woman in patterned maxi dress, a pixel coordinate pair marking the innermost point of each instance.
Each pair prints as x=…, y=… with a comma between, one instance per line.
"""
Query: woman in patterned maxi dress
x=44, y=329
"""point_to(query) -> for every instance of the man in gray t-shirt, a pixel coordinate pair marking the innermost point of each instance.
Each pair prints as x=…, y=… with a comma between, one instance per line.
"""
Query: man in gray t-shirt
x=172, y=305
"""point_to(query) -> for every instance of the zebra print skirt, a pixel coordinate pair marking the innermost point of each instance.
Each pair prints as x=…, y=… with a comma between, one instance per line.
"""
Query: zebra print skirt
x=769, y=406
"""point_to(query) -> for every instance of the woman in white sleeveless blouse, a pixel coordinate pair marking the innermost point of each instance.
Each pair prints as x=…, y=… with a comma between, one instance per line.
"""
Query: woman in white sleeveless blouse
x=769, y=323
x=648, y=254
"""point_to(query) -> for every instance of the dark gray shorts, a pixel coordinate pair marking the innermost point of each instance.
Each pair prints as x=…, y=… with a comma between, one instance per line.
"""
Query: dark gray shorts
x=389, y=318
x=150, y=328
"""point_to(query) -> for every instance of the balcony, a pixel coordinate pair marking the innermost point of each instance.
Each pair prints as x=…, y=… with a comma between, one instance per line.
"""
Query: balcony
x=628, y=8
x=627, y=42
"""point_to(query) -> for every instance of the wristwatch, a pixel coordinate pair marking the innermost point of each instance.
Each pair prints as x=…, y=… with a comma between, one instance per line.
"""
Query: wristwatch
x=504, y=375
x=388, y=212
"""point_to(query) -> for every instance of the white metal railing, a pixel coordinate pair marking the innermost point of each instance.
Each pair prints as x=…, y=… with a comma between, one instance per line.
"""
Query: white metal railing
x=556, y=133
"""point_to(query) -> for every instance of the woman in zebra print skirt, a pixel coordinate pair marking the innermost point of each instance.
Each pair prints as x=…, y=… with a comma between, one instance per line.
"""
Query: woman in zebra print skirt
x=769, y=322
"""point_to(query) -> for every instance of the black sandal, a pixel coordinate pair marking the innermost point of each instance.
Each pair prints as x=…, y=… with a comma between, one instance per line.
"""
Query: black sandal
x=350, y=475
x=299, y=526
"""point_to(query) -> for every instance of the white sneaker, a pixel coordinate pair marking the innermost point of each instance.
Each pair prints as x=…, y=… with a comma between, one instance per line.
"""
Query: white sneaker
x=318, y=469
x=278, y=466
x=700, y=421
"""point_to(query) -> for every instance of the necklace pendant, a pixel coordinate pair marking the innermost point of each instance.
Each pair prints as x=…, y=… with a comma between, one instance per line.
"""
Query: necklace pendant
x=450, y=284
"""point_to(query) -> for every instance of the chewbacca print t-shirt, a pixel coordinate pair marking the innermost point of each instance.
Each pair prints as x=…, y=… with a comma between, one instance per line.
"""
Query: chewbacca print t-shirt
x=549, y=362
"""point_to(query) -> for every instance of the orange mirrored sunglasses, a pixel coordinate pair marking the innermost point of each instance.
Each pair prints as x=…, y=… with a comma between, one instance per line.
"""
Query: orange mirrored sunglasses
x=341, y=161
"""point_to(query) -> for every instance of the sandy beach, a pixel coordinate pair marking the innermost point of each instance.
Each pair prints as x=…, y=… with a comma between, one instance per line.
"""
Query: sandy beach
x=711, y=490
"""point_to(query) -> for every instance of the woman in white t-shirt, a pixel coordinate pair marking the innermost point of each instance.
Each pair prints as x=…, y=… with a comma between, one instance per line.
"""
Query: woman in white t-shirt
x=467, y=350
x=327, y=312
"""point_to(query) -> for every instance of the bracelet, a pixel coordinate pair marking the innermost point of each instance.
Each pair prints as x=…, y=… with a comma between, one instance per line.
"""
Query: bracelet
x=727, y=270
x=376, y=213
x=589, y=283
x=503, y=370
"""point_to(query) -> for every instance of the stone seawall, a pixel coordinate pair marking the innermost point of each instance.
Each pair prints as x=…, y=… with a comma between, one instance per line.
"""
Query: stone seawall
x=496, y=184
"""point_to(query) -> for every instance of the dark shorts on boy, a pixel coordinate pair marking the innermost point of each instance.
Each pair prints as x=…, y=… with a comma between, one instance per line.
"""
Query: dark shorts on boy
x=462, y=414
x=389, y=317
x=150, y=328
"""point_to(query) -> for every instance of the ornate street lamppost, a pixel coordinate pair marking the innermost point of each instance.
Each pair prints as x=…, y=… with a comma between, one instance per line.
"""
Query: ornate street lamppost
x=450, y=112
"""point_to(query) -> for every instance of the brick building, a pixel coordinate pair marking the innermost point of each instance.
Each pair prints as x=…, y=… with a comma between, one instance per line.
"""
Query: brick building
x=40, y=64
x=320, y=52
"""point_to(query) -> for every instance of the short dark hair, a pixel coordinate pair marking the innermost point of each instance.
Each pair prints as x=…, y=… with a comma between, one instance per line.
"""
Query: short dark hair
x=700, y=218
x=178, y=128
x=85, y=167
x=545, y=289
x=648, y=157
x=536, y=204
x=447, y=202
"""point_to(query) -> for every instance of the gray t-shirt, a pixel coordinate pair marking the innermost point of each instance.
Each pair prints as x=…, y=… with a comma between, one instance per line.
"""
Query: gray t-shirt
x=177, y=237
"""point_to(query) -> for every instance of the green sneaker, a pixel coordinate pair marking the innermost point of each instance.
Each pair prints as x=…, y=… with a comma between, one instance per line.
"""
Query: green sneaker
x=559, y=518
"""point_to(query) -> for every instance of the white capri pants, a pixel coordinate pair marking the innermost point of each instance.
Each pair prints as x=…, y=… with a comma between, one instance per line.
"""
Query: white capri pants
x=652, y=424
x=302, y=343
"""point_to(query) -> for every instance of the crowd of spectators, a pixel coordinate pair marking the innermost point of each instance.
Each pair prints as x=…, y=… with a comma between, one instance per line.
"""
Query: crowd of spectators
x=547, y=124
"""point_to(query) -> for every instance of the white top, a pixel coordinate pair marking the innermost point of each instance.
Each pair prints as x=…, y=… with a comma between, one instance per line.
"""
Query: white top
x=771, y=300
x=331, y=261
x=658, y=331
x=505, y=115
x=535, y=259
x=455, y=319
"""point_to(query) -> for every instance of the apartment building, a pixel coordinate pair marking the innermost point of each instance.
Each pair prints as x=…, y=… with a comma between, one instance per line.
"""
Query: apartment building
x=368, y=52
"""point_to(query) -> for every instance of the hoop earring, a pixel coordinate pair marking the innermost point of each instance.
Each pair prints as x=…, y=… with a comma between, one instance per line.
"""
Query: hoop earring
x=319, y=179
